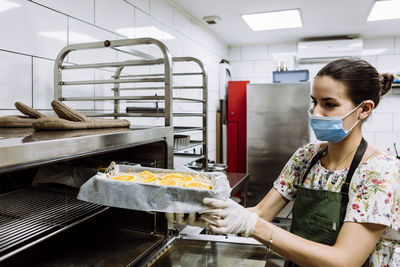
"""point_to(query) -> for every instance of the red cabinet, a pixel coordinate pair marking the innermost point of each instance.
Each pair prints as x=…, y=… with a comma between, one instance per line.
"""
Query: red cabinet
x=236, y=113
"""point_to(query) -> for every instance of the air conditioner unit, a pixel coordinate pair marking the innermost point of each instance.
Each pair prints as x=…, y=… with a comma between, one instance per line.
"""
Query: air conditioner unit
x=322, y=51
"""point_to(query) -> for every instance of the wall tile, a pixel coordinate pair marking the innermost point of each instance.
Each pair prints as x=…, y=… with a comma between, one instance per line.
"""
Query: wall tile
x=379, y=122
x=162, y=10
x=213, y=101
x=369, y=137
x=397, y=45
x=181, y=23
x=116, y=16
x=144, y=5
x=389, y=103
x=81, y=9
x=80, y=32
x=36, y=36
x=174, y=45
x=261, y=80
x=388, y=63
x=385, y=141
x=242, y=68
x=264, y=68
x=371, y=60
x=378, y=46
x=396, y=123
x=212, y=121
x=15, y=79
x=146, y=26
x=256, y=52
x=282, y=48
x=43, y=83
x=212, y=138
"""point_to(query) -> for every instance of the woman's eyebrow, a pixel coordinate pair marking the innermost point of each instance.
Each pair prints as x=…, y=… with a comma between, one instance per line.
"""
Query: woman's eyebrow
x=326, y=98
x=329, y=98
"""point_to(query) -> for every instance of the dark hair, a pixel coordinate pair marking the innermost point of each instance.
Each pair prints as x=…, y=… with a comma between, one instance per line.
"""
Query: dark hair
x=362, y=79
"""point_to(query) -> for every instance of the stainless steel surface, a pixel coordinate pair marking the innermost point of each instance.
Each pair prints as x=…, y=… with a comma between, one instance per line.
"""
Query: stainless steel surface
x=112, y=64
x=29, y=214
x=277, y=125
x=209, y=250
x=41, y=147
x=239, y=181
x=194, y=114
x=143, y=80
x=160, y=88
x=179, y=129
x=160, y=74
x=101, y=241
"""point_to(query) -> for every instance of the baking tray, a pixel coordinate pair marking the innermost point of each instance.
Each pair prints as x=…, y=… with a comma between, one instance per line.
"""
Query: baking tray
x=151, y=197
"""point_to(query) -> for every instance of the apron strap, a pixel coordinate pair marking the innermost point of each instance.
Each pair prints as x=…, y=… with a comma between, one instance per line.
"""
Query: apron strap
x=314, y=160
x=362, y=147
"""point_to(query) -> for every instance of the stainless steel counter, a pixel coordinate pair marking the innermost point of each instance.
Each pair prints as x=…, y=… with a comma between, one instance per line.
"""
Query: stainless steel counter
x=23, y=148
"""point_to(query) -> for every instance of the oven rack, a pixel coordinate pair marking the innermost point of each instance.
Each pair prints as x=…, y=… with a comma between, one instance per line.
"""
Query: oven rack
x=155, y=88
x=188, y=158
x=29, y=216
x=60, y=67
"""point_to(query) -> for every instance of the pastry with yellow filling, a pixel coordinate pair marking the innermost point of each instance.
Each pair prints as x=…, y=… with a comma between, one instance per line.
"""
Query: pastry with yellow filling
x=197, y=185
x=147, y=176
x=195, y=180
x=167, y=182
x=125, y=177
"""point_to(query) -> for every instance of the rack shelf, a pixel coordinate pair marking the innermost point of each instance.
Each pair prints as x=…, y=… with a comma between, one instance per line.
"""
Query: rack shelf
x=181, y=159
x=193, y=143
x=181, y=129
x=121, y=74
x=37, y=214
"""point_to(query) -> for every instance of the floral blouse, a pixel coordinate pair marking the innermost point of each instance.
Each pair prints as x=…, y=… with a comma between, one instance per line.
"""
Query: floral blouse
x=374, y=195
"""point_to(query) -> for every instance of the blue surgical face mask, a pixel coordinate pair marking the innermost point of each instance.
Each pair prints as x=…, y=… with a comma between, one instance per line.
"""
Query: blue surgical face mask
x=330, y=128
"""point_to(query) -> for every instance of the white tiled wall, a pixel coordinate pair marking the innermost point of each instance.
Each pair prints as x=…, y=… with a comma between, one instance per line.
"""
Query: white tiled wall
x=35, y=31
x=256, y=63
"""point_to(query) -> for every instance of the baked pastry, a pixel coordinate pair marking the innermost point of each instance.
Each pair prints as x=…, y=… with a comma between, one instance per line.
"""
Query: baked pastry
x=195, y=180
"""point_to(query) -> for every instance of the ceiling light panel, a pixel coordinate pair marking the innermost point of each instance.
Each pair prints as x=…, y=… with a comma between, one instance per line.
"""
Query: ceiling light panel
x=284, y=19
x=385, y=10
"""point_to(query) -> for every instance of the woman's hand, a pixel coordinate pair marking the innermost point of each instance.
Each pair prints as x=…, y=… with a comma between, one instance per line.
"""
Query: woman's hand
x=228, y=217
x=192, y=219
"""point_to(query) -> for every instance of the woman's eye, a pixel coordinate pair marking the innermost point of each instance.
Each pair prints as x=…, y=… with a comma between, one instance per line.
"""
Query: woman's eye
x=314, y=102
x=330, y=105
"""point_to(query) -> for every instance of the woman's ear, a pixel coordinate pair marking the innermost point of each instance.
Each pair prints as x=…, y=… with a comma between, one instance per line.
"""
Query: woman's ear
x=367, y=108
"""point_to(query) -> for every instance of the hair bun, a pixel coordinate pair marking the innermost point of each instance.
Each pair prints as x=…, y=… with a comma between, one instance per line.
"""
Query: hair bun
x=386, y=80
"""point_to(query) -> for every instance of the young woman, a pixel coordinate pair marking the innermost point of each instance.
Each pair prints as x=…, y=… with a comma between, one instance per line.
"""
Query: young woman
x=346, y=192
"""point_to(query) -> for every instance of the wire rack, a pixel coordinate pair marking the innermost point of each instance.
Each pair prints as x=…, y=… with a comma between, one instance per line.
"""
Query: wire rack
x=30, y=215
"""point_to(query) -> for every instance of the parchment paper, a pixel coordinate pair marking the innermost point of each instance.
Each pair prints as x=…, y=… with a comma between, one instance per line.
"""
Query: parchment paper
x=151, y=197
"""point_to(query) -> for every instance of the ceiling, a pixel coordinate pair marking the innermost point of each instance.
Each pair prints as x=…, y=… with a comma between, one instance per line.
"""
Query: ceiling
x=320, y=19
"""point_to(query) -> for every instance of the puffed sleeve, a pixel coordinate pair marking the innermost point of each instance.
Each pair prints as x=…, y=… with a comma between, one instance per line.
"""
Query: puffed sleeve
x=374, y=195
x=294, y=169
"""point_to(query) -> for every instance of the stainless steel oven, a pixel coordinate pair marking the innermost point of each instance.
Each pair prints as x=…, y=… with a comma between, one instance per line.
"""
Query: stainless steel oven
x=46, y=225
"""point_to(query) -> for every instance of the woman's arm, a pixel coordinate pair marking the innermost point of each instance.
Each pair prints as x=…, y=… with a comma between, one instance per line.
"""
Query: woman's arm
x=353, y=246
x=270, y=206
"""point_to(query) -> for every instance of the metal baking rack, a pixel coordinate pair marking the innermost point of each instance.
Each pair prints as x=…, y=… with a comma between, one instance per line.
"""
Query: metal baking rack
x=121, y=46
x=160, y=97
x=180, y=158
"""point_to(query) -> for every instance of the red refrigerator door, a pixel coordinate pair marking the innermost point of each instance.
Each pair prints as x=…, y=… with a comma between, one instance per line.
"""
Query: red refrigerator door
x=236, y=114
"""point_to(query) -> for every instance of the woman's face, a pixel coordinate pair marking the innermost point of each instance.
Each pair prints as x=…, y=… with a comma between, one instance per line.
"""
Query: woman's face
x=330, y=99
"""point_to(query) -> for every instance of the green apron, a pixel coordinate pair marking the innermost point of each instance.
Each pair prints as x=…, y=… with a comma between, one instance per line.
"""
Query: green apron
x=318, y=214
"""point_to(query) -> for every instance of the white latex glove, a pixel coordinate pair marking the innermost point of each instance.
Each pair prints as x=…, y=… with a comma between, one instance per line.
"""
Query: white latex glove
x=179, y=218
x=228, y=217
